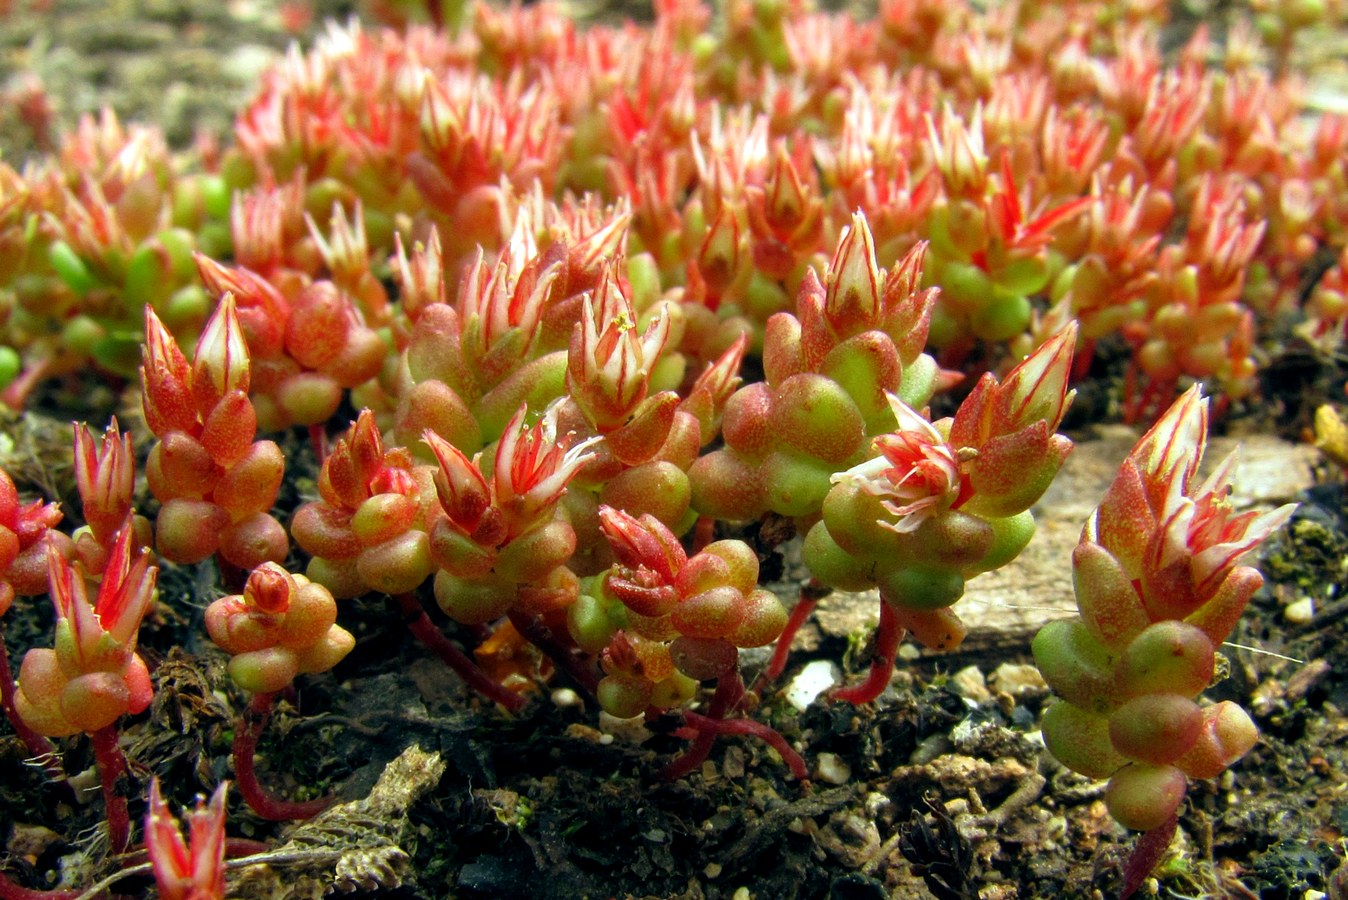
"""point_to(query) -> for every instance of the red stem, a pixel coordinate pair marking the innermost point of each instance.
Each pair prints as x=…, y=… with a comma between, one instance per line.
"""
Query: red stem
x=1081, y=363
x=810, y=594
x=15, y=395
x=749, y=727
x=887, y=637
x=540, y=635
x=237, y=847
x=39, y=747
x=259, y=799
x=729, y=692
x=112, y=771
x=703, y=534
x=421, y=625
x=1131, y=399
x=1147, y=852
x=318, y=439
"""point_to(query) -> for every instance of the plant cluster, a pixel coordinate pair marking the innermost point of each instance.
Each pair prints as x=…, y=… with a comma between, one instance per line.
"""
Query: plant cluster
x=602, y=295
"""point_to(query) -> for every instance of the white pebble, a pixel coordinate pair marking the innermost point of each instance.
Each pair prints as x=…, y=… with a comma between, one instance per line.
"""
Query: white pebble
x=565, y=697
x=829, y=768
x=1299, y=612
x=813, y=680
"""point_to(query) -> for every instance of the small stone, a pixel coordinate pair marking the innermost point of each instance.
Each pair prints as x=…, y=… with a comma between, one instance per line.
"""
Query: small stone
x=970, y=684
x=1300, y=612
x=810, y=682
x=633, y=730
x=742, y=893
x=929, y=749
x=31, y=841
x=711, y=870
x=564, y=698
x=732, y=764
x=831, y=769
x=581, y=732
x=1018, y=680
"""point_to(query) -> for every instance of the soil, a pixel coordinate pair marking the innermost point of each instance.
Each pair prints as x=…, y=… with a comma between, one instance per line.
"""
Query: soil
x=940, y=789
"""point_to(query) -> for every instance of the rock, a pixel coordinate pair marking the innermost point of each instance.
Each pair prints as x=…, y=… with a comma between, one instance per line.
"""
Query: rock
x=830, y=768
x=1018, y=680
x=1300, y=612
x=812, y=680
x=970, y=684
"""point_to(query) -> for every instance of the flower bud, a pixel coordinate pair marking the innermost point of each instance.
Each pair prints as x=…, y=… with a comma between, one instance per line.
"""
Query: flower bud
x=167, y=378
x=221, y=363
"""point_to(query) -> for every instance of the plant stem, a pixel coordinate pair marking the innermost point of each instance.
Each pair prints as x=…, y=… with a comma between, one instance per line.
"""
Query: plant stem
x=318, y=439
x=887, y=637
x=1147, y=852
x=16, y=394
x=113, y=773
x=259, y=799
x=540, y=635
x=421, y=625
x=707, y=728
x=751, y=728
x=729, y=691
x=810, y=594
x=704, y=532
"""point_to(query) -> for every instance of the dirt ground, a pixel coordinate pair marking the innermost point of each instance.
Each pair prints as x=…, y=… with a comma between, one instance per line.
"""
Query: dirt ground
x=940, y=789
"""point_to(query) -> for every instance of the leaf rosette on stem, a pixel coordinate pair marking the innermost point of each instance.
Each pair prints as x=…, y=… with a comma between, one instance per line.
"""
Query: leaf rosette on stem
x=1159, y=588
x=942, y=502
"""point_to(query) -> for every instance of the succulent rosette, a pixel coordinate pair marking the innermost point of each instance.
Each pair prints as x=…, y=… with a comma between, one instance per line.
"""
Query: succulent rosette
x=280, y=627
x=944, y=501
x=828, y=369
x=1159, y=587
x=93, y=676
x=677, y=620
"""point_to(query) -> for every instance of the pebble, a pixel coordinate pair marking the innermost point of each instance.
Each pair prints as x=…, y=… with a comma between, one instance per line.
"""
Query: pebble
x=1300, y=612
x=564, y=698
x=970, y=684
x=1017, y=679
x=810, y=682
x=831, y=769
x=633, y=730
